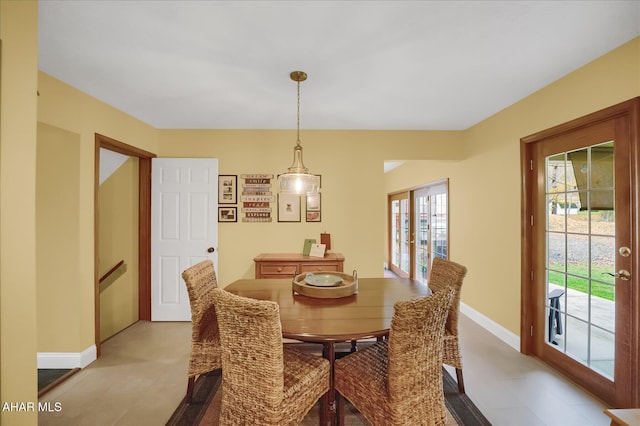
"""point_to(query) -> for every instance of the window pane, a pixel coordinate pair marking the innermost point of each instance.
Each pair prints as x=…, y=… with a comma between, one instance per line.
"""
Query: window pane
x=556, y=252
x=602, y=166
x=556, y=219
x=576, y=340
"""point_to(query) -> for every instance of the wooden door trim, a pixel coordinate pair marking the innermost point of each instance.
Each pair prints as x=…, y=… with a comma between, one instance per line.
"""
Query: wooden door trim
x=144, y=226
x=629, y=113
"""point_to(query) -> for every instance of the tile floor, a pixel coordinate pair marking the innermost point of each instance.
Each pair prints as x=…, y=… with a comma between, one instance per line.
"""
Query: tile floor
x=141, y=377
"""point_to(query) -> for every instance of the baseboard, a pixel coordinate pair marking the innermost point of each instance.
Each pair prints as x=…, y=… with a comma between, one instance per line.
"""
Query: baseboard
x=67, y=359
x=492, y=327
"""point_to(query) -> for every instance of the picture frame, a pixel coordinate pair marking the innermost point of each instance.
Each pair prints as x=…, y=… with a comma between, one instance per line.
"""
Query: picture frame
x=313, y=208
x=288, y=208
x=228, y=214
x=227, y=189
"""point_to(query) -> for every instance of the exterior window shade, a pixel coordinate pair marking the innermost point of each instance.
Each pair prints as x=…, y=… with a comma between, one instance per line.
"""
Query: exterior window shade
x=593, y=171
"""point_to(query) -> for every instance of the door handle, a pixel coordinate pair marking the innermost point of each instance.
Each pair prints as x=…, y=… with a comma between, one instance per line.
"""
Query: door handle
x=623, y=274
x=211, y=250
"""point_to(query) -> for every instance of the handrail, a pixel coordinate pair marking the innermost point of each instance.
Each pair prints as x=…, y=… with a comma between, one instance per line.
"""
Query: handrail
x=110, y=271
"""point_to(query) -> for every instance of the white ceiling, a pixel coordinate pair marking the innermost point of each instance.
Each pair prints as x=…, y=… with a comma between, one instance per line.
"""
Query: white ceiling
x=415, y=65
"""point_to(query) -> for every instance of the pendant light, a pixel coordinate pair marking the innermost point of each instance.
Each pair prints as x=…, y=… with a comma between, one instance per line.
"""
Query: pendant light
x=297, y=179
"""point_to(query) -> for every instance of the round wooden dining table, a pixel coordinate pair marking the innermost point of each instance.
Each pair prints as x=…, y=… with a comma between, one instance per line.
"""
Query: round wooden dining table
x=366, y=314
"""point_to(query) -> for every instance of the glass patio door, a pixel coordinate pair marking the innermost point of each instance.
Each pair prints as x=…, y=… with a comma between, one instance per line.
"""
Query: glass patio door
x=418, y=229
x=580, y=250
x=399, y=240
x=431, y=233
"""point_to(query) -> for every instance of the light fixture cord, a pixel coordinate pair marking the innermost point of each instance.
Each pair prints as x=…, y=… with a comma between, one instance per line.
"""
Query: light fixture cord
x=298, y=122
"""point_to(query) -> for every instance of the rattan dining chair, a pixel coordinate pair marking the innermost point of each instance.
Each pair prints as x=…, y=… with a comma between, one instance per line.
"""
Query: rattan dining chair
x=447, y=274
x=206, y=354
x=399, y=381
x=263, y=382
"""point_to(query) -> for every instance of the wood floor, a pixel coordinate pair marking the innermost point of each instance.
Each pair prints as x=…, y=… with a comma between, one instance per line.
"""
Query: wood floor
x=141, y=378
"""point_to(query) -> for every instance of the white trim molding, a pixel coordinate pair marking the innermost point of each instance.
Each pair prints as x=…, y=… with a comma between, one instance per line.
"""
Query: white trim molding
x=48, y=360
x=493, y=327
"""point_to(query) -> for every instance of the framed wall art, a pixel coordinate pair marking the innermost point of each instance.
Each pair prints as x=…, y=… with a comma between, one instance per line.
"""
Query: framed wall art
x=288, y=208
x=313, y=208
x=227, y=189
x=227, y=214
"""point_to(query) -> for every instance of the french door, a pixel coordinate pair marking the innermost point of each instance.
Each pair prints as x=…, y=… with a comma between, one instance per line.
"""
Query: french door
x=580, y=251
x=431, y=235
x=418, y=229
x=400, y=234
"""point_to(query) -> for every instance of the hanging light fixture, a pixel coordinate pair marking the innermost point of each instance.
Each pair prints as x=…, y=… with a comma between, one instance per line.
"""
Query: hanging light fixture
x=297, y=179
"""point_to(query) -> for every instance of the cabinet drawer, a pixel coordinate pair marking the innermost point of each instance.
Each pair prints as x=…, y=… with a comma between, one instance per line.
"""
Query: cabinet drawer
x=287, y=270
x=322, y=267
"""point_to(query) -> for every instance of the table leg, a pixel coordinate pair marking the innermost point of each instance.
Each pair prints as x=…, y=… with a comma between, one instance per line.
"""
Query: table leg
x=329, y=353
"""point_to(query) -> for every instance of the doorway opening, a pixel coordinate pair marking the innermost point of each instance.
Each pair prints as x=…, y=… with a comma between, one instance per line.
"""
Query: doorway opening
x=144, y=226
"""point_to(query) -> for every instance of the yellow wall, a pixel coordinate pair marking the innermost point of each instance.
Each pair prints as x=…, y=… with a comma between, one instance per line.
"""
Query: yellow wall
x=485, y=187
x=119, y=241
x=57, y=250
x=18, y=85
x=353, y=197
x=76, y=113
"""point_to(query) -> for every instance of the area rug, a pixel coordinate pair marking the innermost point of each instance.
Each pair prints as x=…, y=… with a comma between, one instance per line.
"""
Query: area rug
x=50, y=378
x=206, y=402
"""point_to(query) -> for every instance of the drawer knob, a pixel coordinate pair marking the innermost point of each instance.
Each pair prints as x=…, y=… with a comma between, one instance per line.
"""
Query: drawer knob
x=279, y=269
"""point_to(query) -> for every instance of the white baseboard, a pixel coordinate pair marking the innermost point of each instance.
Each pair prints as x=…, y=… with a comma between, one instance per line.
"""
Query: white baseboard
x=67, y=359
x=493, y=327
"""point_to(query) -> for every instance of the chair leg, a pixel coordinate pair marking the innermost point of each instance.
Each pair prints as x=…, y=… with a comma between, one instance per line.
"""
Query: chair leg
x=340, y=409
x=460, y=380
x=324, y=404
x=189, y=395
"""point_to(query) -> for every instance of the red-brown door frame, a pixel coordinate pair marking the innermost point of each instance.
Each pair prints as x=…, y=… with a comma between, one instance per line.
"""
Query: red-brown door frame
x=144, y=226
x=530, y=300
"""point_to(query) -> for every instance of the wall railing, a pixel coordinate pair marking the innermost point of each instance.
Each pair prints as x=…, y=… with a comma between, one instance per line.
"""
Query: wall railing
x=110, y=271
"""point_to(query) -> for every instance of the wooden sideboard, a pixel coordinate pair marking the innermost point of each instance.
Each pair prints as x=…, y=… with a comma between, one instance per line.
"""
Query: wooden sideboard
x=285, y=265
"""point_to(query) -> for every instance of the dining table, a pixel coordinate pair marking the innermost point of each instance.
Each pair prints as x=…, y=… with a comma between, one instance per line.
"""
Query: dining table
x=365, y=314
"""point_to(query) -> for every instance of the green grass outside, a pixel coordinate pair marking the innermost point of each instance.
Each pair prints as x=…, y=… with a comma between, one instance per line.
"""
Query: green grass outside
x=580, y=283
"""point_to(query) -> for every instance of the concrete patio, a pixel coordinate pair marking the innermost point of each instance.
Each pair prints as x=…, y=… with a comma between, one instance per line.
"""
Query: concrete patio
x=598, y=352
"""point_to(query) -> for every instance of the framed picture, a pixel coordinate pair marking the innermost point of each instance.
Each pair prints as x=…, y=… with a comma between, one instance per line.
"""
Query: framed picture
x=313, y=208
x=288, y=208
x=227, y=189
x=227, y=214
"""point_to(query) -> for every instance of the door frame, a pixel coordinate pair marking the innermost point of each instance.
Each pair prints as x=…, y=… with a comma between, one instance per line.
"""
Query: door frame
x=144, y=226
x=530, y=328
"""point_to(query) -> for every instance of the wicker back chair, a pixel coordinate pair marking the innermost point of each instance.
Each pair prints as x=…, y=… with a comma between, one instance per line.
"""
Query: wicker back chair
x=264, y=383
x=399, y=381
x=205, y=339
x=448, y=274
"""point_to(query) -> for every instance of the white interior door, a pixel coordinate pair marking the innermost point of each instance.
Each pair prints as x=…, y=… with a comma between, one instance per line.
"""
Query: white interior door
x=184, y=229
